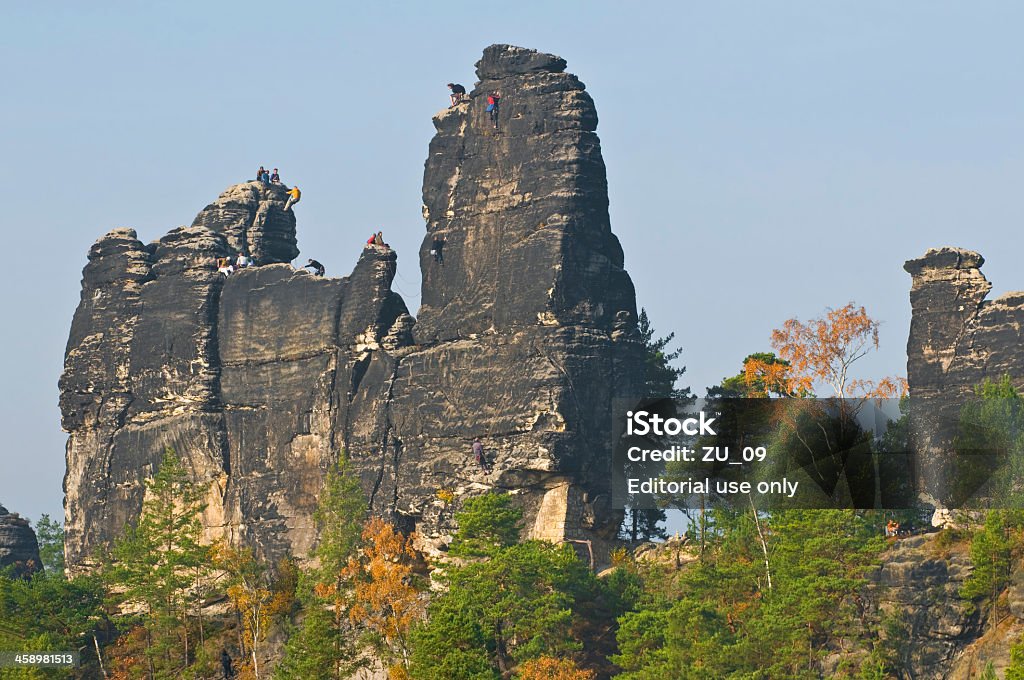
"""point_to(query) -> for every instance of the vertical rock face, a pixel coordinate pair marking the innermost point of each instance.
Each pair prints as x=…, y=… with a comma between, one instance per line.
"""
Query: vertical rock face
x=262, y=380
x=522, y=208
x=958, y=338
x=917, y=589
x=18, y=546
x=529, y=318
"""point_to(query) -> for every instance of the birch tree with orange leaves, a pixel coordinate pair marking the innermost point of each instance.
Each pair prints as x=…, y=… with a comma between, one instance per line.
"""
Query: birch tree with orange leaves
x=258, y=598
x=823, y=351
x=385, y=599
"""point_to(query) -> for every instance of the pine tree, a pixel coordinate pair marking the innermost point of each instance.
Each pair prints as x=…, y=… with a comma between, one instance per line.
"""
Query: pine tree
x=50, y=535
x=661, y=377
x=324, y=644
x=1015, y=671
x=661, y=380
x=156, y=565
x=720, y=617
x=50, y=612
x=506, y=603
x=990, y=554
x=486, y=523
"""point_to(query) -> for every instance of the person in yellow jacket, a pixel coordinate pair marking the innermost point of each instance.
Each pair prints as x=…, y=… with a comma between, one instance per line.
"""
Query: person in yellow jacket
x=293, y=197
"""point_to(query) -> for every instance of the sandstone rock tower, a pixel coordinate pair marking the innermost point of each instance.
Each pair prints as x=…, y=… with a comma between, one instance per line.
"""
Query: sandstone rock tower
x=18, y=546
x=958, y=338
x=260, y=381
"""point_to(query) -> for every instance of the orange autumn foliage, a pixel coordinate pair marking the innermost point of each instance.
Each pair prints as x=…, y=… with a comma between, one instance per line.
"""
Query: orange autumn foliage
x=256, y=600
x=550, y=668
x=764, y=378
x=822, y=351
x=385, y=599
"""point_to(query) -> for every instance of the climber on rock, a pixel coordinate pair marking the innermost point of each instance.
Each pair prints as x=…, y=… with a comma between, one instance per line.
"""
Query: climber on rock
x=275, y=178
x=436, y=249
x=224, y=266
x=480, y=456
x=242, y=261
x=458, y=94
x=260, y=173
x=493, y=102
x=293, y=197
x=318, y=269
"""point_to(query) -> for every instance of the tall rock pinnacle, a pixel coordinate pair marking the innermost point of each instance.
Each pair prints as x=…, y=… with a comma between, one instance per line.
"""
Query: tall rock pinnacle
x=262, y=380
x=522, y=208
x=958, y=338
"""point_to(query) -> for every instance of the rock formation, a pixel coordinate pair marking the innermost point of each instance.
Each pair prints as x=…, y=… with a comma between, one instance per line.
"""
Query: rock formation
x=958, y=338
x=18, y=546
x=261, y=380
x=917, y=591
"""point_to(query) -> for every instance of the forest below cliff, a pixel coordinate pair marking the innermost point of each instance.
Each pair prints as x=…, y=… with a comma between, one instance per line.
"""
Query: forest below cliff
x=746, y=593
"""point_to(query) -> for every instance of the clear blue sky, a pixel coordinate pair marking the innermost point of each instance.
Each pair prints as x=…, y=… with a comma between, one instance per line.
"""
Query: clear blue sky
x=765, y=159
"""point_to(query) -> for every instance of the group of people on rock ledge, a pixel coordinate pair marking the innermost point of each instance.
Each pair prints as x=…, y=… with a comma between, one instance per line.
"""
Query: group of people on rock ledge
x=458, y=95
x=377, y=241
x=275, y=178
x=228, y=266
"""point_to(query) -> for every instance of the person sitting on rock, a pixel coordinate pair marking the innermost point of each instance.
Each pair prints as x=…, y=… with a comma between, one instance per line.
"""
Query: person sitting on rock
x=436, y=249
x=224, y=266
x=480, y=456
x=458, y=94
x=243, y=261
x=318, y=269
x=493, y=102
x=293, y=197
x=275, y=178
x=378, y=239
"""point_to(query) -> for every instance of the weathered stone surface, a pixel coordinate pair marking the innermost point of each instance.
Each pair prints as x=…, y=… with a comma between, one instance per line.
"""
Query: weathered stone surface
x=19, y=549
x=917, y=587
x=252, y=219
x=958, y=338
x=523, y=210
x=260, y=381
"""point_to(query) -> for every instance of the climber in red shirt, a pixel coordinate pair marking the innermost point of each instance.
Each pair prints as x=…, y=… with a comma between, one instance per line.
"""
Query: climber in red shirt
x=493, y=102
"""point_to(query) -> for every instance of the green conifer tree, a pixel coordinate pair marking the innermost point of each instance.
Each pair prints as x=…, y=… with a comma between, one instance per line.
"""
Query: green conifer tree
x=155, y=566
x=50, y=535
x=324, y=642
